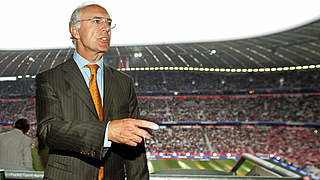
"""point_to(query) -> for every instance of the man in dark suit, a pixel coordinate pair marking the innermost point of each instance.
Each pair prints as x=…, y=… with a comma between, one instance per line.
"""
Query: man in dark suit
x=15, y=151
x=90, y=132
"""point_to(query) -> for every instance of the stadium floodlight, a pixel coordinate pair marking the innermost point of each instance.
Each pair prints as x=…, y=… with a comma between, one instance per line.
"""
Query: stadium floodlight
x=13, y=78
x=286, y=68
x=312, y=66
x=137, y=54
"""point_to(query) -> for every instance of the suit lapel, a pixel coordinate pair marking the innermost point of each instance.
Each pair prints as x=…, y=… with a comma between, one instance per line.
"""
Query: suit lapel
x=109, y=88
x=74, y=77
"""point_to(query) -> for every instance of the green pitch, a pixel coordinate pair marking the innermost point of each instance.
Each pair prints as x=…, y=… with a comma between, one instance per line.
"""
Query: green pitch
x=224, y=165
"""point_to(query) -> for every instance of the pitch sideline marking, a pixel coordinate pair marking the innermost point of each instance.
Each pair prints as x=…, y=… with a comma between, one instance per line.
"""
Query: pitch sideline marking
x=215, y=167
x=150, y=166
x=199, y=165
x=184, y=165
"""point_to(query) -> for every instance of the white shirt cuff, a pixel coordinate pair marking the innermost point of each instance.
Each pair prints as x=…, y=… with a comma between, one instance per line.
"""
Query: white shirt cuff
x=107, y=143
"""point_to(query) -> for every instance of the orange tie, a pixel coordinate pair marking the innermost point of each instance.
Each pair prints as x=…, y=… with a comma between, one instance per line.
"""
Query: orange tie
x=94, y=91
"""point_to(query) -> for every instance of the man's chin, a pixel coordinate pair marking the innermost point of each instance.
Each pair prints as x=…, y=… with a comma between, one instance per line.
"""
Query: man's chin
x=104, y=48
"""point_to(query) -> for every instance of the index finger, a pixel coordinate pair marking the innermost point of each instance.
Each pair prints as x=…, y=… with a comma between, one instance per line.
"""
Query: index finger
x=147, y=124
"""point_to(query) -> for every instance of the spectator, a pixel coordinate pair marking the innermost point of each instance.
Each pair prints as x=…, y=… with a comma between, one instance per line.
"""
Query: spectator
x=15, y=151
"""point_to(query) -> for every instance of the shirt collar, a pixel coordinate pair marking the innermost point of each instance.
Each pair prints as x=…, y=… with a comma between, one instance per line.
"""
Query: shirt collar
x=81, y=61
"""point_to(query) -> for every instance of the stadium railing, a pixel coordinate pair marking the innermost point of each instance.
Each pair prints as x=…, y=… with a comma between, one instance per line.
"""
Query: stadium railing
x=263, y=168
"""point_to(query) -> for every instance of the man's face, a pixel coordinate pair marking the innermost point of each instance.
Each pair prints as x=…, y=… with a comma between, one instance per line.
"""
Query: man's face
x=92, y=37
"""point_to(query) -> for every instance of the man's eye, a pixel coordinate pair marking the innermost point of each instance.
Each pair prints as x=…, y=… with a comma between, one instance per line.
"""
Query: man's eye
x=96, y=21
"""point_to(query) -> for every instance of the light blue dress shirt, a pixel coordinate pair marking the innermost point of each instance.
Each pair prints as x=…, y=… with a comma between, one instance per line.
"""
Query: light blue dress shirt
x=82, y=62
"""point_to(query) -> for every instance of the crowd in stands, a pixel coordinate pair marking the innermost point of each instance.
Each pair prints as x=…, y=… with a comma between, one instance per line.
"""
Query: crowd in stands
x=20, y=87
x=299, y=146
x=190, y=80
x=280, y=108
x=13, y=109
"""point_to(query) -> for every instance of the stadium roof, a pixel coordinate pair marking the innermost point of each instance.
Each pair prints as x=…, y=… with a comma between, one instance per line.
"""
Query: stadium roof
x=298, y=47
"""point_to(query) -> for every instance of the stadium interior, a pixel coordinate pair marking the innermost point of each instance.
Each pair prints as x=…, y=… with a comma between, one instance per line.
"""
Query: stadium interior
x=213, y=100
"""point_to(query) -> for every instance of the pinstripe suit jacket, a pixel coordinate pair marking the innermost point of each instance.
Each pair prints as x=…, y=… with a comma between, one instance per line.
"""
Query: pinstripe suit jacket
x=69, y=125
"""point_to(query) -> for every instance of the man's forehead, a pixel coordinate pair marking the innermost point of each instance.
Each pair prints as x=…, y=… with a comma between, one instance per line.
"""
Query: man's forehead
x=93, y=11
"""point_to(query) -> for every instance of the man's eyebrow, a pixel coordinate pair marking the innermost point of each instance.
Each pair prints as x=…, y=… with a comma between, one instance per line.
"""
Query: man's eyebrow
x=97, y=17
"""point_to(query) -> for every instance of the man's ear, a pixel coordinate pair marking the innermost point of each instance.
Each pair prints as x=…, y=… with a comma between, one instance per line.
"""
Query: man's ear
x=74, y=32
